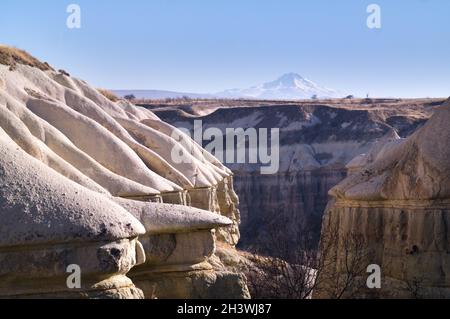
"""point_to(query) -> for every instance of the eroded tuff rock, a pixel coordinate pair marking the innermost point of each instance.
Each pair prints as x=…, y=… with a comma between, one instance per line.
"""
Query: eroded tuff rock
x=85, y=166
x=317, y=140
x=398, y=206
x=42, y=235
x=179, y=243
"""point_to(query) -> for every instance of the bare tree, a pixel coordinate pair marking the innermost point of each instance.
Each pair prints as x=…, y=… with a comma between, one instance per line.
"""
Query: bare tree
x=414, y=286
x=341, y=265
x=296, y=271
x=129, y=97
x=288, y=274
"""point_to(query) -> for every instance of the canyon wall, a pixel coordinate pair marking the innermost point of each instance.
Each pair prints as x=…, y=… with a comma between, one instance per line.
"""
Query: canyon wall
x=283, y=201
x=316, y=143
x=392, y=212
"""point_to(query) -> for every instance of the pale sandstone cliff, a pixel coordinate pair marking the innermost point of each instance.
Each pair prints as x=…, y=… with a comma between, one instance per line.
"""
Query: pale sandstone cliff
x=316, y=143
x=398, y=205
x=98, y=152
x=49, y=222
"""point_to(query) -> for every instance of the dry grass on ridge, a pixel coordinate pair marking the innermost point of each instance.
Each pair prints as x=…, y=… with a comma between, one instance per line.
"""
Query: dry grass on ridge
x=13, y=56
x=109, y=95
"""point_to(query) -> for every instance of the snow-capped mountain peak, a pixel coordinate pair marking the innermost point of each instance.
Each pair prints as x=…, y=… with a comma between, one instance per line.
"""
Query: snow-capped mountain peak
x=290, y=80
x=287, y=86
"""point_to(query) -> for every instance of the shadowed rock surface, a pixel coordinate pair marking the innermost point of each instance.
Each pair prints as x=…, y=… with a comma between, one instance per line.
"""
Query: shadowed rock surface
x=317, y=141
x=398, y=204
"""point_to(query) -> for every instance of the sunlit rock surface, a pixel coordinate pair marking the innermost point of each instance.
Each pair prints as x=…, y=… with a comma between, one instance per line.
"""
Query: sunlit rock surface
x=81, y=171
x=49, y=222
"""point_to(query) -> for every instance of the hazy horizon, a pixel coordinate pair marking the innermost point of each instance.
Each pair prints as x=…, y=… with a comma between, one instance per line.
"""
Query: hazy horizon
x=208, y=47
x=211, y=94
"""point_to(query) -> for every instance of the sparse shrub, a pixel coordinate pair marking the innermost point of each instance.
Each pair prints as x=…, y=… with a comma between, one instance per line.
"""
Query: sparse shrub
x=297, y=271
x=129, y=97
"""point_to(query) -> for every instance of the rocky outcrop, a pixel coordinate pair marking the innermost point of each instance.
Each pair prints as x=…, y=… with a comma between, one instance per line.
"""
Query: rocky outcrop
x=179, y=243
x=316, y=143
x=398, y=206
x=39, y=238
x=96, y=163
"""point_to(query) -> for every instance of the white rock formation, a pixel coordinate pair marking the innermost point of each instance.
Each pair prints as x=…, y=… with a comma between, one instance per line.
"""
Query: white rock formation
x=178, y=244
x=49, y=223
x=378, y=149
x=69, y=153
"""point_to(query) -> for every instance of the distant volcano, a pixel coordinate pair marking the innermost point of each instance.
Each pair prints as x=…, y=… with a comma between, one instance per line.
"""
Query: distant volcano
x=288, y=86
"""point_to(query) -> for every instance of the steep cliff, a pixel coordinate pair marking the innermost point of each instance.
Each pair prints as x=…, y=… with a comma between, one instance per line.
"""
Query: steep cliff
x=397, y=206
x=316, y=143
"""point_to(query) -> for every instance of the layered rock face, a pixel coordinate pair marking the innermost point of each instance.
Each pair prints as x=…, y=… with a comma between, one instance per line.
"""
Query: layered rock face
x=316, y=143
x=41, y=235
x=178, y=245
x=284, y=201
x=88, y=182
x=398, y=206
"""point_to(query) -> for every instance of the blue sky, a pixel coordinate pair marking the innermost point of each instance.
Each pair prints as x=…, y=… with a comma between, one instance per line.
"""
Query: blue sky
x=209, y=46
